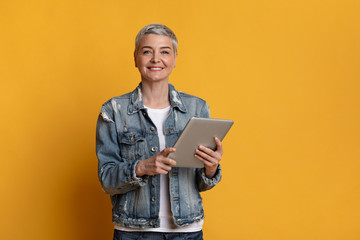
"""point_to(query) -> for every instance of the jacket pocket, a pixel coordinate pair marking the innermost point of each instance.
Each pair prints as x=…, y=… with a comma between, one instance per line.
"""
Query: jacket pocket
x=132, y=145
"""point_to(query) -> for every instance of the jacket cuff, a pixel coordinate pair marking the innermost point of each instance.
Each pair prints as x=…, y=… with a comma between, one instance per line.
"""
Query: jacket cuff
x=132, y=178
x=211, y=182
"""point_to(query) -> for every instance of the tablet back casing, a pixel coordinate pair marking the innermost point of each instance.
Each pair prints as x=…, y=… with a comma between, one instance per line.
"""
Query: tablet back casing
x=198, y=131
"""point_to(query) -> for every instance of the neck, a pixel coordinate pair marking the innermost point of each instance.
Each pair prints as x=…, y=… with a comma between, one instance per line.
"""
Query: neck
x=155, y=94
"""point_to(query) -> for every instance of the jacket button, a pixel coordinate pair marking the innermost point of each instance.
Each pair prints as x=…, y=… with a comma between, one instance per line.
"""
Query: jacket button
x=152, y=128
x=154, y=149
x=153, y=199
x=152, y=223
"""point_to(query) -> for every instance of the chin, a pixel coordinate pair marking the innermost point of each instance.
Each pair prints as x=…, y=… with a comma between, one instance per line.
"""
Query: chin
x=147, y=79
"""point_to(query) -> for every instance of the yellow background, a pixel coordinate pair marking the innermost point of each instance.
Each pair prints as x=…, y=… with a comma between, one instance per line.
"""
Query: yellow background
x=286, y=71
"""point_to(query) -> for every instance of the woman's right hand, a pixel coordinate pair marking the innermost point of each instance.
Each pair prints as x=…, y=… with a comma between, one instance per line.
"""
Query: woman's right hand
x=157, y=164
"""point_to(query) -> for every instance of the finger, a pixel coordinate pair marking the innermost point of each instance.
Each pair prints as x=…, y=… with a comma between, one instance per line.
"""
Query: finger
x=166, y=151
x=219, y=147
x=167, y=161
x=161, y=171
x=208, y=151
x=162, y=167
x=205, y=156
x=207, y=162
x=165, y=167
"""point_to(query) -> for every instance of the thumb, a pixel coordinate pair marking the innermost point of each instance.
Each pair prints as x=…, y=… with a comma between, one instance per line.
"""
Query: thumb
x=219, y=147
x=166, y=151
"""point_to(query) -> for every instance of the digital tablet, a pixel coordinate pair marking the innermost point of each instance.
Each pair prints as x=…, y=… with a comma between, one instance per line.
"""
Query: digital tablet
x=198, y=131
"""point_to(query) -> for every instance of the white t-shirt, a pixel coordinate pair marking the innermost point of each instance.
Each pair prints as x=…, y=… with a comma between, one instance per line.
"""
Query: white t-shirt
x=158, y=116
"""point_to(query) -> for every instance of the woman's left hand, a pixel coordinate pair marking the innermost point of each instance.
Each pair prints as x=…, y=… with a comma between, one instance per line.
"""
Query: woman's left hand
x=210, y=158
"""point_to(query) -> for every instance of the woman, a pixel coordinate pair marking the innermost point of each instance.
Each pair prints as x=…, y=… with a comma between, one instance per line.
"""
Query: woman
x=151, y=197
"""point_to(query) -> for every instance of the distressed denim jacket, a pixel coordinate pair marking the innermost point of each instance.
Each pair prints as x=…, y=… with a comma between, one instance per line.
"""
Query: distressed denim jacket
x=126, y=135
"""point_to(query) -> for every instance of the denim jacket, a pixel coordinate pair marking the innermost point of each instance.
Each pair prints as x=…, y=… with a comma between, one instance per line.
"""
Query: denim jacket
x=126, y=135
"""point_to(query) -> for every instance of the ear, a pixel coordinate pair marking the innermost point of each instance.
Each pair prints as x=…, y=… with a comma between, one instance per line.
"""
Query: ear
x=135, y=59
x=175, y=61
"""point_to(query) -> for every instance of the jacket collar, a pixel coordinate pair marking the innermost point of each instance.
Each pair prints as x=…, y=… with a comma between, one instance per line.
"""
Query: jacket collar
x=136, y=100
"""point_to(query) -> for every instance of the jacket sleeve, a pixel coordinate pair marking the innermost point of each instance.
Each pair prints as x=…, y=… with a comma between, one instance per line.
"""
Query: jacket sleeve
x=116, y=175
x=203, y=182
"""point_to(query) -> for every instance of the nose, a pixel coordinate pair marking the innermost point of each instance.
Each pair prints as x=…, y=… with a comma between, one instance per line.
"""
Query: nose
x=155, y=57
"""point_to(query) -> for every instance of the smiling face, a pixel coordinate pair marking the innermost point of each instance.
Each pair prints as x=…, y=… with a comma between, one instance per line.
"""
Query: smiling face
x=155, y=58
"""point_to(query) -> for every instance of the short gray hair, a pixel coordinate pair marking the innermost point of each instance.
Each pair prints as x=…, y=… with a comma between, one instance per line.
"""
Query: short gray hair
x=157, y=29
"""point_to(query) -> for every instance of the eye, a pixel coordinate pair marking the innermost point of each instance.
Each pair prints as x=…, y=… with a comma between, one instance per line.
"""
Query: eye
x=147, y=52
x=165, y=52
